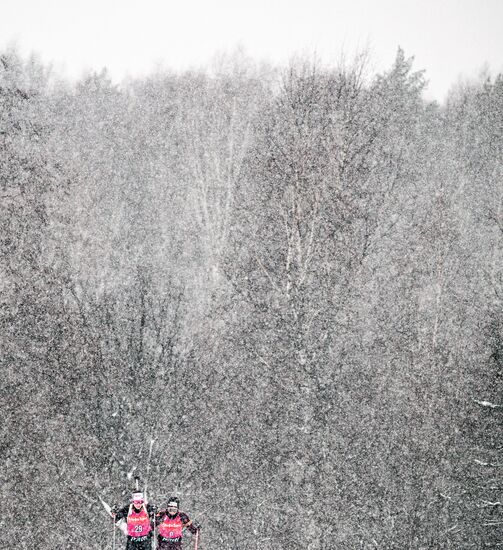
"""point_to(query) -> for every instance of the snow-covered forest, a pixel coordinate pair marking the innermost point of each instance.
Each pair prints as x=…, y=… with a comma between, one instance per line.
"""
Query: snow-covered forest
x=274, y=292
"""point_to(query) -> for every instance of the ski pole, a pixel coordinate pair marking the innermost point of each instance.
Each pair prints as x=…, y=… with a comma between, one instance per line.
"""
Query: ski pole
x=154, y=542
x=113, y=539
x=196, y=540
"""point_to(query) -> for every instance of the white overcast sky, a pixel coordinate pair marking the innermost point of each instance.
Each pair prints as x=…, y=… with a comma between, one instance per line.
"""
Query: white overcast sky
x=448, y=38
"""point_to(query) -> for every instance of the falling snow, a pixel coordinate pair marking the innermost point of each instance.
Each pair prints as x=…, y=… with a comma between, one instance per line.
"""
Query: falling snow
x=275, y=293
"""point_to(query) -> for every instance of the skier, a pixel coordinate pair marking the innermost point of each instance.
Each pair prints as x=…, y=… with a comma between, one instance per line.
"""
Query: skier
x=139, y=517
x=171, y=522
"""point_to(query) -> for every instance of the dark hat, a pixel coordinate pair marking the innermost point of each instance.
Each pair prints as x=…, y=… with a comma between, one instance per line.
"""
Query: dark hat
x=173, y=502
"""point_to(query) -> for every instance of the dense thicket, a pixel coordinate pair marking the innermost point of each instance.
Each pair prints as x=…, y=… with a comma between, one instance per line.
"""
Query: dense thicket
x=275, y=293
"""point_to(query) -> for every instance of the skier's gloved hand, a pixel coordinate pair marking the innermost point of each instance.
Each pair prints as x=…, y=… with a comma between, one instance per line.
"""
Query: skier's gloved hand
x=197, y=525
